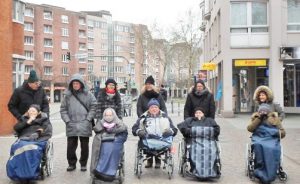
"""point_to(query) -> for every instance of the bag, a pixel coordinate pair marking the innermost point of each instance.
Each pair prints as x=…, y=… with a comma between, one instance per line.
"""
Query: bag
x=92, y=121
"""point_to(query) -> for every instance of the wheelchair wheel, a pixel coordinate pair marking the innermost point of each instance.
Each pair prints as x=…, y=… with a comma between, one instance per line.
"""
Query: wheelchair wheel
x=184, y=169
x=49, y=159
x=247, y=160
x=170, y=164
x=121, y=172
x=138, y=163
x=282, y=175
x=180, y=158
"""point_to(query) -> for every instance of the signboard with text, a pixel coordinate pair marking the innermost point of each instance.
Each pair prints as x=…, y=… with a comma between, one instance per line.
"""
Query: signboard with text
x=209, y=66
x=250, y=62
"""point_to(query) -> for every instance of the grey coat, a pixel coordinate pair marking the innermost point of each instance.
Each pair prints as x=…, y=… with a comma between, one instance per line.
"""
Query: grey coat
x=74, y=114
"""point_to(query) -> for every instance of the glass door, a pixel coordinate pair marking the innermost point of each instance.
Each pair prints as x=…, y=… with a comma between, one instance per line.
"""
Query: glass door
x=289, y=85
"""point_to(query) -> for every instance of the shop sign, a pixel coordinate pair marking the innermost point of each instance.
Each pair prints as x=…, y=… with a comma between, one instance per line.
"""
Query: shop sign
x=250, y=62
x=209, y=66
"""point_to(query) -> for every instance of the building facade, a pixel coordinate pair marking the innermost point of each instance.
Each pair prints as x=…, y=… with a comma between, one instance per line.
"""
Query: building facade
x=252, y=43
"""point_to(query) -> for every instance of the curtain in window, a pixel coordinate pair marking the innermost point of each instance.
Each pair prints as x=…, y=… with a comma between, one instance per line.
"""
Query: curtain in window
x=238, y=14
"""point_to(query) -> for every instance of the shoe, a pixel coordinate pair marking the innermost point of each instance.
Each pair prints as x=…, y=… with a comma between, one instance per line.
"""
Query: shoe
x=71, y=168
x=83, y=168
x=149, y=164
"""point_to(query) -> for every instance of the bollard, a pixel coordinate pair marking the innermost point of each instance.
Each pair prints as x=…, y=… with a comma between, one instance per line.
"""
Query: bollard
x=178, y=109
x=172, y=110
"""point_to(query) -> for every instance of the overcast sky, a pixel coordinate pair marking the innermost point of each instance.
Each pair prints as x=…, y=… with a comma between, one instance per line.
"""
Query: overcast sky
x=164, y=12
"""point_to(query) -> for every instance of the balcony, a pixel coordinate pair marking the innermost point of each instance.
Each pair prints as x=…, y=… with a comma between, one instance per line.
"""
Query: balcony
x=202, y=27
x=207, y=16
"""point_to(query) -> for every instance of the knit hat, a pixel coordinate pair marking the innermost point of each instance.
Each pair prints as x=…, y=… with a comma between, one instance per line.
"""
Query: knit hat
x=264, y=108
x=150, y=80
x=201, y=82
x=32, y=77
x=199, y=109
x=110, y=80
x=36, y=106
x=153, y=101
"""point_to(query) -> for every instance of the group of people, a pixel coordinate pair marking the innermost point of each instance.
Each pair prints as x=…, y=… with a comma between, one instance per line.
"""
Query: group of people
x=79, y=108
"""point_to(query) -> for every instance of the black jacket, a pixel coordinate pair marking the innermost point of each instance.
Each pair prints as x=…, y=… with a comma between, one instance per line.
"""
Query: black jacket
x=204, y=100
x=104, y=101
x=23, y=97
x=163, y=92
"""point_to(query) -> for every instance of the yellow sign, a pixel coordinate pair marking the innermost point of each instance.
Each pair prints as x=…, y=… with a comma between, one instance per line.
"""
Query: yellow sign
x=250, y=62
x=209, y=66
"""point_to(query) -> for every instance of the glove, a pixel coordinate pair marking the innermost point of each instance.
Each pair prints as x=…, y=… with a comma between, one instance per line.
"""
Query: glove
x=142, y=134
x=167, y=133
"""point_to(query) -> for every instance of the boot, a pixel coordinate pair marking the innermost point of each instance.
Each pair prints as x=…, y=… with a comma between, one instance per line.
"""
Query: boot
x=149, y=163
x=157, y=162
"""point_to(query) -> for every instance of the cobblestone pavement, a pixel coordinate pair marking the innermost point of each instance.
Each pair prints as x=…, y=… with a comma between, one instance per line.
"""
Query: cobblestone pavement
x=233, y=140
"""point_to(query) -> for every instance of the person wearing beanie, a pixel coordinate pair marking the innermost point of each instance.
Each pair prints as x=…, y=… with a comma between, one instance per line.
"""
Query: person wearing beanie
x=148, y=92
x=31, y=92
x=109, y=97
x=198, y=120
x=154, y=124
x=163, y=92
x=263, y=94
x=77, y=110
x=200, y=97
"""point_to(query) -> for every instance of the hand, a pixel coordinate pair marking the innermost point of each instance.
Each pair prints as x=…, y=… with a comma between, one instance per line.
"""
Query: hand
x=167, y=133
x=142, y=134
x=40, y=131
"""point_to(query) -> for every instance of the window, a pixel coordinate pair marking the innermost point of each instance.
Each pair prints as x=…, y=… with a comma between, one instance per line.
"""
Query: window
x=29, y=12
x=64, y=45
x=118, y=69
x=293, y=15
x=17, y=72
x=48, y=70
x=103, y=46
x=132, y=50
x=90, y=68
x=82, y=71
x=81, y=21
x=90, y=34
x=28, y=26
x=64, y=31
x=104, y=36
x=118, y=48
x=28, y=40
x=64, y=19
x=65, y=71
x=28, y=68
x=118, y=38
x=82, y=34
x=48, y=56
x=249, y=17
x=18, y=11
x=48, y=29
x=48, y=42
x=103, y=68
x=29, y=55
x=64, y=58
x=82, y=46
x=48, y=15
x=103, y=58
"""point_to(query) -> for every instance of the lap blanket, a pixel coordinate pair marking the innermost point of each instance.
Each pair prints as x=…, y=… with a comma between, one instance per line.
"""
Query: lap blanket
x=109, y=158
x=25, y=159
x=203, y=152
x=267, y=150
x=157, y=144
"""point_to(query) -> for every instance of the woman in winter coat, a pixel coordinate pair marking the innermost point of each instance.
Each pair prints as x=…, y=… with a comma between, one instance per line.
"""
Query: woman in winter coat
x=109, y=97
x=35, y=125
x=263, y=94
x=148, y=92
x=200, y=97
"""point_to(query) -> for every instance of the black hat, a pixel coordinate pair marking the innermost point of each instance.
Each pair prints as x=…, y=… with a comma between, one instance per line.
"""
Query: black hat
x=199, y=109
x=32, y=77
x=150, y=80
x=110, y=80
x=36, y=106
x=201, y=82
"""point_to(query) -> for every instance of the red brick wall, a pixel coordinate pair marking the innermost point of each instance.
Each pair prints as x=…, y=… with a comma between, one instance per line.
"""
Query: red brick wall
x=6, y=120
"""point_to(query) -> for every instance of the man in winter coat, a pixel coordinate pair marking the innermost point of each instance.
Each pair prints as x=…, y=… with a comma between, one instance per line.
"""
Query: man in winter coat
x=148, y=92
x=77, y=111
x=29, y=93
x=200, y=97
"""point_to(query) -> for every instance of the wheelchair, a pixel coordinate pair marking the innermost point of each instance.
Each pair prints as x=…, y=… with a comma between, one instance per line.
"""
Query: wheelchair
x=165, y=155
x=184, y=165
x=46, y=166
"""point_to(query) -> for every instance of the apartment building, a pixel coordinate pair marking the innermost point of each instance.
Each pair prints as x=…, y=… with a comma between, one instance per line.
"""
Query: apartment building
x=11, y=57
x=252, y=43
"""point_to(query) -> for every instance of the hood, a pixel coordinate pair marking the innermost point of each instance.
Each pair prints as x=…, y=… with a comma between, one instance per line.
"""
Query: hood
x=265, y=89
x=79, y=78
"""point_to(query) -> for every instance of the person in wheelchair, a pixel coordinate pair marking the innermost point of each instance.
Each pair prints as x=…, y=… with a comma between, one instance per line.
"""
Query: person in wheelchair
x=207, y=130
x=108, y=144
x=33, y=131
x=265, y=143
x=154, y=124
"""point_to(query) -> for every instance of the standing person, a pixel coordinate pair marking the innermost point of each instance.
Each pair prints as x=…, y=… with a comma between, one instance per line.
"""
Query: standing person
x=31, y=92
x=263, y=94
x=163, y=92
x=148, y=92
x=77, y=111
x=109, y=97
x=200, y=97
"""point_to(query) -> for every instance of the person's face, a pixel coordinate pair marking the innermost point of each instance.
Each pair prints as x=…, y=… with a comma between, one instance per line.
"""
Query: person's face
x=111, y=86
x=34, y=85
x=199, y=87
x=262, y=97
x=76, y=85
x=154, y=109
x=108, y=116
x=199, y=114
x=149, y=86
x=32, y=112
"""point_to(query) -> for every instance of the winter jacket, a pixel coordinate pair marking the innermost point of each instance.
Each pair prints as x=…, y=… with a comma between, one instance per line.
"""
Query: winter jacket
x=185, y=127
x=25, y=131
x=145, y=97
x=275, y=106
x=163, y=92
x=74, y=114
x=154, y=125
x=23, y=97
x=204, y=100
x=271, y=118
x=104, y=101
